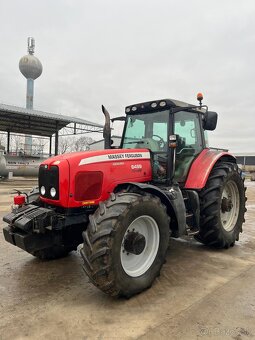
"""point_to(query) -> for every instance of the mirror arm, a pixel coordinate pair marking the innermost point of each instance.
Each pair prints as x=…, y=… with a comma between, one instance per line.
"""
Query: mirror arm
x=121, y=118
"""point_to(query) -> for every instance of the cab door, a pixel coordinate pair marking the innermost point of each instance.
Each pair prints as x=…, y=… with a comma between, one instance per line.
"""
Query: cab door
x=187, y=129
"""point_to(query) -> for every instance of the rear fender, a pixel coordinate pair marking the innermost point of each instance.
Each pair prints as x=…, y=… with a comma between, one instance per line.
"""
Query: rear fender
x=171, y=198
x=202, y=166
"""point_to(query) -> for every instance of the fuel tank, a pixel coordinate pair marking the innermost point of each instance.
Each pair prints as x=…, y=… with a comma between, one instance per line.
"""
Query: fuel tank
x=19, y=165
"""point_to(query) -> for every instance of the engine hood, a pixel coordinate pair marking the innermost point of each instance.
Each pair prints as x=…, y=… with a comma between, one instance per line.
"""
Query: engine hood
x=113, y=166
x=99, y=156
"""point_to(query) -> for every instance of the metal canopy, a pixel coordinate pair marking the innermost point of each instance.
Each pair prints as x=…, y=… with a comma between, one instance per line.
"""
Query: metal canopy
x=15, y=119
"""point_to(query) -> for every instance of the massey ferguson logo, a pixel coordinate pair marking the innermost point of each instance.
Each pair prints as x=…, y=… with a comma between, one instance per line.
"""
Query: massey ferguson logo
x=123, y=156
x=136, y=167
x=116, y=157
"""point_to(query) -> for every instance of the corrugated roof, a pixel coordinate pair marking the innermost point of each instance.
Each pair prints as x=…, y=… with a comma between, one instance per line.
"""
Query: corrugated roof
x=21, y=120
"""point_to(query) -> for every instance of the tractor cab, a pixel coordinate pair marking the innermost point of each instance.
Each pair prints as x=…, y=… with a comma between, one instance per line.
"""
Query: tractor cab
x=173, y=131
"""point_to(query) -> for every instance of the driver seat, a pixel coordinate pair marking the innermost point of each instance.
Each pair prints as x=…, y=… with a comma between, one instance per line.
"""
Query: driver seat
x=148, y=143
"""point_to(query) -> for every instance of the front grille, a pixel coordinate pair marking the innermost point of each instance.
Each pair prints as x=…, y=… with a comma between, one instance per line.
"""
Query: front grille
x=49, y=178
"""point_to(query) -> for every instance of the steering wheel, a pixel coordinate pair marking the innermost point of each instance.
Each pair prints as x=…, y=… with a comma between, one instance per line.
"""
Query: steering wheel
x=161, y=141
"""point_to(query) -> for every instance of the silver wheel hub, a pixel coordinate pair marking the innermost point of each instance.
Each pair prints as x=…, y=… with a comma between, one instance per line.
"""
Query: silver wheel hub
x=230, y=205
x=139, y=246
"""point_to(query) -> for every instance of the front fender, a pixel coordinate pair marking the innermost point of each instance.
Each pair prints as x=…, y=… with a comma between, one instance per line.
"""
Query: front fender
x=173, y=200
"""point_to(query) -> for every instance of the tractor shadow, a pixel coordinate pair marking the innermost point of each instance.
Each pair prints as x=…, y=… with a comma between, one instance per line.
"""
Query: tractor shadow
x=188, y=264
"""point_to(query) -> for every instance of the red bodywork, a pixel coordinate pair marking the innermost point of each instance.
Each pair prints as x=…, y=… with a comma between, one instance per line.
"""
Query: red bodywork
x=202, y=166
x=117, y=167
x=109, y=168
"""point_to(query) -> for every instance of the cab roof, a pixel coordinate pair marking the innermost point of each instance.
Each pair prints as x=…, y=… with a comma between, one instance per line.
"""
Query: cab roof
x=159, y=105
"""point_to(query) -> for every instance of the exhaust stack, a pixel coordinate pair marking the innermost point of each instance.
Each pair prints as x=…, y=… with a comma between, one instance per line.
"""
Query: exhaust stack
x=107, y=129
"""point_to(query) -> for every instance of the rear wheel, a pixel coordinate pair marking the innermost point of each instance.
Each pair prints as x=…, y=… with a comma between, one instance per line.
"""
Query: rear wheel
x=125, y=243
x=222, y=206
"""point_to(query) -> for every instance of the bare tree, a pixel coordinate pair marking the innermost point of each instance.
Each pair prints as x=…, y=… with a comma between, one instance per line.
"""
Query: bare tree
x=64, y=145
x=3, y=138
x=73, y=144
x=17, y=143
x=39, y=145
x=82, y=143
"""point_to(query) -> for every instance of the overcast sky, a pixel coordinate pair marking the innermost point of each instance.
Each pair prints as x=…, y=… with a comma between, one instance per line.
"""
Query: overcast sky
x=121, y=52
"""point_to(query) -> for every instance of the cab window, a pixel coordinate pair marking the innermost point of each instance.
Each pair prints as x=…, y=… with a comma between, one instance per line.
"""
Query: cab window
x=189, y=142
x=148, y=130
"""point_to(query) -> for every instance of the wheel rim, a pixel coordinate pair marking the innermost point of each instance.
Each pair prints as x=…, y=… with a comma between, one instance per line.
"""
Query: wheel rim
x=136, y=265
x=230, y=204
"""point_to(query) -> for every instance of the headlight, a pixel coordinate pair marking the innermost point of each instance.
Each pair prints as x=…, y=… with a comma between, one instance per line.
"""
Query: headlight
x=53, y=192
x=42, y=190
x=162, y=104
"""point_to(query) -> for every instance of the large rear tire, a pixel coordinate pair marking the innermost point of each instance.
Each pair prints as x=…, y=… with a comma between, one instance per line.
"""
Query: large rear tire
x=125, y=243
x=222, y=206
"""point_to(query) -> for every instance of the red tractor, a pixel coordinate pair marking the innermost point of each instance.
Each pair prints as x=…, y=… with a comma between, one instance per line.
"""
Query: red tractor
x=124, y=204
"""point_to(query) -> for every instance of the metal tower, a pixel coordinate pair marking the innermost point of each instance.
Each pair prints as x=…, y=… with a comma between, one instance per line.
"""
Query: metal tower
x=31, y=68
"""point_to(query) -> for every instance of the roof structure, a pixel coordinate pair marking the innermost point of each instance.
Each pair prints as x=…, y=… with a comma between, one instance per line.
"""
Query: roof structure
x=15, y=119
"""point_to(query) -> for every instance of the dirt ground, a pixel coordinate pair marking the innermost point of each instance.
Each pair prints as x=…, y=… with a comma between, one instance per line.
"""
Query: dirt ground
x=201, y=293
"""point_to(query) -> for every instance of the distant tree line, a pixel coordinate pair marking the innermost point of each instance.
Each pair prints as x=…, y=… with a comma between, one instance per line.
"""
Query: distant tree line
x=41, y=145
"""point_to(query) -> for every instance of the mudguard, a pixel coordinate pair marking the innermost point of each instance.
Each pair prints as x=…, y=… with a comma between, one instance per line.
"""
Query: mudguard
x=202, y=166
x=173, y=200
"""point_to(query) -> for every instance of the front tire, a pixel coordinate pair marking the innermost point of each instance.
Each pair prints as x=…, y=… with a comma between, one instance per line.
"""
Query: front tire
x=125, y=243
x=222, y=207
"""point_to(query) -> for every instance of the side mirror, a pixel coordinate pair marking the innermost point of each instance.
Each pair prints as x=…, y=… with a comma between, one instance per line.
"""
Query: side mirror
x=210, y=120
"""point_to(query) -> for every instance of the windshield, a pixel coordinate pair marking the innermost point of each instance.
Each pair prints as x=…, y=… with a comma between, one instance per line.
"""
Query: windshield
x=147, y=130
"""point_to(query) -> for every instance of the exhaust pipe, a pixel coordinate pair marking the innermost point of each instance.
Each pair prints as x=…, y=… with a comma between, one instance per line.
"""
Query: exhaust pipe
x=107, y=129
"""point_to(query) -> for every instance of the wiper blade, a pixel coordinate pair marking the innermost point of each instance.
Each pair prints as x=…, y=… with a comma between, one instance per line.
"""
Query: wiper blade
x=136, y=142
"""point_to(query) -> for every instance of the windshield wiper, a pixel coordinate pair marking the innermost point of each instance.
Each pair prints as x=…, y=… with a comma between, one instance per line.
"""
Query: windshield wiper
x=136, y=142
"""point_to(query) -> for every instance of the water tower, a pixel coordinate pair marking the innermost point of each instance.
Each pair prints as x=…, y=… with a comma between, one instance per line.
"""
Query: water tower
x=31, y=68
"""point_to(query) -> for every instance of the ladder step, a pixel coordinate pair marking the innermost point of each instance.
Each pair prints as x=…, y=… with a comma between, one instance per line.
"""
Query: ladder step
x=191, y=232
x=188, y=215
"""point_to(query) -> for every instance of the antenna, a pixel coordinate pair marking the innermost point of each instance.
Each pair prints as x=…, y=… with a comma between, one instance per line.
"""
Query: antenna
x=31, y=45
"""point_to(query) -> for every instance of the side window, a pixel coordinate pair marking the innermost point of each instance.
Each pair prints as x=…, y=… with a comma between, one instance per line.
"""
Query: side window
x=187, y=129
x=189, y=143
x=206, y=139
x=159, y=134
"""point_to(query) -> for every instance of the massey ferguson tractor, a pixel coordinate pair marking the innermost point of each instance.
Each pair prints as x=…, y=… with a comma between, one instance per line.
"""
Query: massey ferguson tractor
x=124, y=204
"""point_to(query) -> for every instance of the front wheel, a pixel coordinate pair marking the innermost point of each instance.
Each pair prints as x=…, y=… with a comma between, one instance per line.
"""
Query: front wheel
x=125, y=243
x=222, y=206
